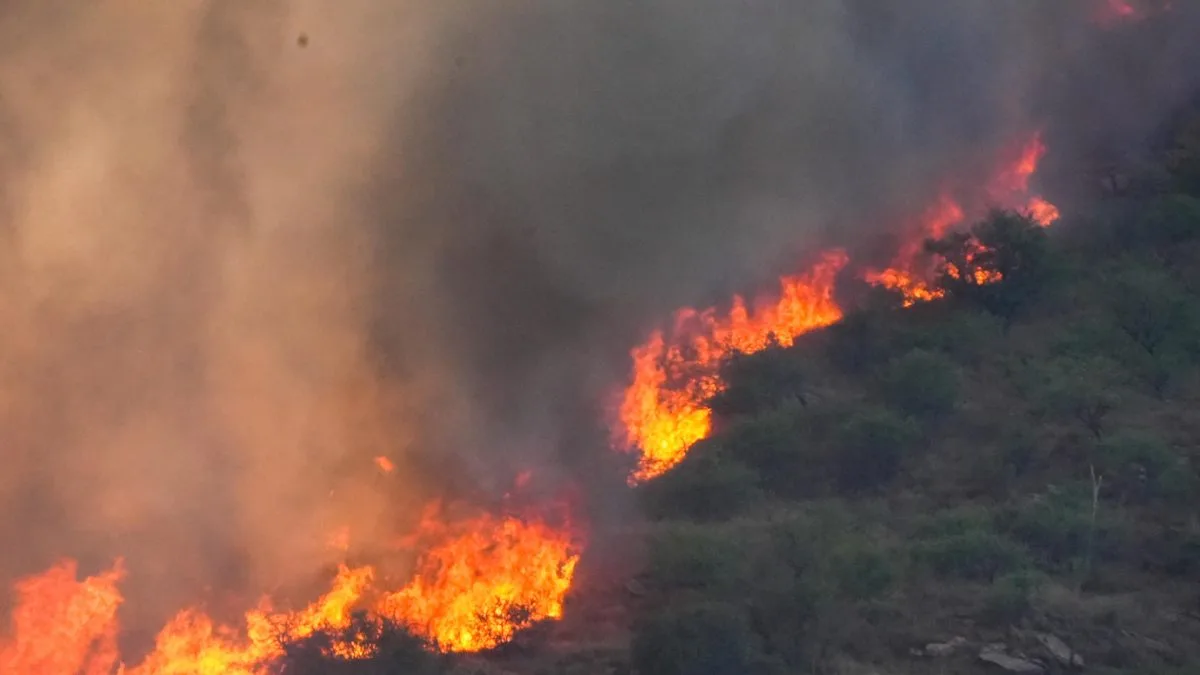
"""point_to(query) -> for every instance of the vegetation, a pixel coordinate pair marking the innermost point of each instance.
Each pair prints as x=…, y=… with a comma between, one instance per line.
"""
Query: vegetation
x=1021, y=457
x=1017, y=459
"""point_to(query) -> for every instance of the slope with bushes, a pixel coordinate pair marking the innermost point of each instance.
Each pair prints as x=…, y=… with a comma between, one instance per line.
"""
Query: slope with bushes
x=1014, y=467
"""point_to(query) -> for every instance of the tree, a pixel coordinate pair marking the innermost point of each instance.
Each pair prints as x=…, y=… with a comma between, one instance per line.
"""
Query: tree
x=1001, y=265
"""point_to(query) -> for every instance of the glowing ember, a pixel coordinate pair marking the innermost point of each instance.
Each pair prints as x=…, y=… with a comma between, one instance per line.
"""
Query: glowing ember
x=663, y=411
x=62, y=626
x=487, y=579
x=385, y=465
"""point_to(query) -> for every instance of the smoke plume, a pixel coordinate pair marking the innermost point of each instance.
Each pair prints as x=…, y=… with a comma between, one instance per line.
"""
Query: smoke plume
x=248, y=246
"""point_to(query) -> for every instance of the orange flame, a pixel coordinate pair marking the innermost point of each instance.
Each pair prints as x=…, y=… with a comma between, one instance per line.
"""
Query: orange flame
x=1042, y=212
x=663, y=411
x=478, y=583
x=1008, y=187
x=62, y=626
x=385, y=465
x=487, y=579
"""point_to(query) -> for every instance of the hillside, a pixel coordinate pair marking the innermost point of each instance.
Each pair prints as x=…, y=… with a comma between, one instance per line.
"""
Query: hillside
x=1015, y=464
x=1004, y=478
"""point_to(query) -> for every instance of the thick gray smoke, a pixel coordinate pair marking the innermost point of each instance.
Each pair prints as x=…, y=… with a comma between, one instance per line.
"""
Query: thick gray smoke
x=238, y=265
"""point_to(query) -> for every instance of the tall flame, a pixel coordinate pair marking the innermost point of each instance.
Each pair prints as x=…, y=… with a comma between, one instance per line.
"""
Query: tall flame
x=63, y=626
x=487, y=579
x=663, y=411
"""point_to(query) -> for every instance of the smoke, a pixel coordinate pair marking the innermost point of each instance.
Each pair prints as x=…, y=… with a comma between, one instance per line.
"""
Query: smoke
x=576, y=170
x=237, y=265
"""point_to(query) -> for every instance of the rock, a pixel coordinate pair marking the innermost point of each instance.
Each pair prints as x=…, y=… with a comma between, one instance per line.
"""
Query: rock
x=997, y=655
x=1059, y=650
x=942, y=649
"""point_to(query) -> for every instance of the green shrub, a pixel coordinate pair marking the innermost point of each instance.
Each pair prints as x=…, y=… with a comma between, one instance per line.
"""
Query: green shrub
x=871, y=447
x=1140, y=466
x=1001, y=266
x=705, y=486
x=1078, y=389
x=1009, y=599
x=922, y=384
x=1149, y=306
x=761, y=381
x=964, y=544
x=1057, y=528
x=863, y=340
x=975, y=555
x=695, y=558
x=863, y=570
x=782, y=448
x=708, y=639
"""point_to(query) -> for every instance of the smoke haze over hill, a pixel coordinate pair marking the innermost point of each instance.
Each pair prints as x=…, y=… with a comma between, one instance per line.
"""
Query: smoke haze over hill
x=236, y=268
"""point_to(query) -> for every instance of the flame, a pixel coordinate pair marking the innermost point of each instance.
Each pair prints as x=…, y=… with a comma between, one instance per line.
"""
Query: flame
x=487, y=579
x=62, y=626
x=191, y=644
x=385, y=465
x=1009, y=187
x=663, y=411
x=478, y=582
x=1043, y=212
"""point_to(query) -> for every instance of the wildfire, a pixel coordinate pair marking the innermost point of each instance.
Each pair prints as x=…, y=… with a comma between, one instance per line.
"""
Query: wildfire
x=479, y=582
x=63, y=626
x=489, y=578
x=664, y=409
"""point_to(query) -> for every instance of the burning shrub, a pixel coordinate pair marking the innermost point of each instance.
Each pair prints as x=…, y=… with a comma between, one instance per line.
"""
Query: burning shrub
x=922, y=384
x=1001, y=265
x=872, y=446
x=713, y=639
x=393, y=651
